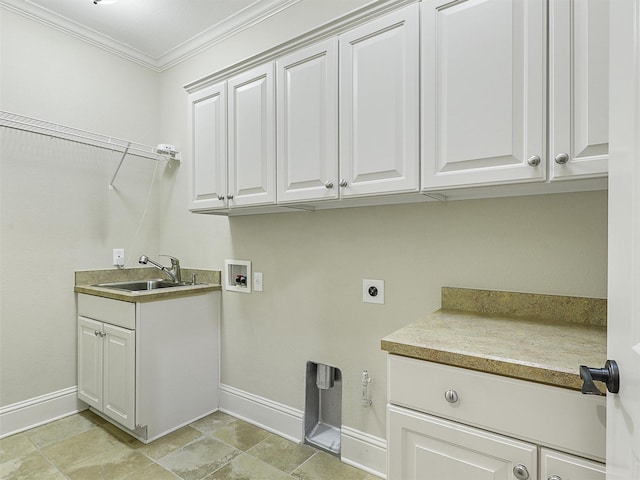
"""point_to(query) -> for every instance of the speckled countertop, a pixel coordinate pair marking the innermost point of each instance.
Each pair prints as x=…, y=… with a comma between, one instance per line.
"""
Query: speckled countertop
x=541, y=338
x=85, y=282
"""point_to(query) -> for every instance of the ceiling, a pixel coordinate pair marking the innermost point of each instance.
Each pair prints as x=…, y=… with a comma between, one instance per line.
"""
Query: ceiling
x=154, y=33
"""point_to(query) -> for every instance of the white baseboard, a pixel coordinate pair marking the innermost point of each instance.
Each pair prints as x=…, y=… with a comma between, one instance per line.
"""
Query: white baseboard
x=359, y=449
x=36, y=411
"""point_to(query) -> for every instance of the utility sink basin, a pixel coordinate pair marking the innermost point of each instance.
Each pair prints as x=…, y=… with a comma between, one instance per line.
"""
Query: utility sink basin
x=143, y=285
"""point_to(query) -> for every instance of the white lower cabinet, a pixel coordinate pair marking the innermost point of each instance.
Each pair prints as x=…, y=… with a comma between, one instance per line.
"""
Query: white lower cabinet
x=430, y=448
x=106, y=369
x=151, y=367
x=450, y=423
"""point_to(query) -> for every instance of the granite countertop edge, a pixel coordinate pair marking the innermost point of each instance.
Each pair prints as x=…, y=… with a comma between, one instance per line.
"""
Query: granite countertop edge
x=543, y=352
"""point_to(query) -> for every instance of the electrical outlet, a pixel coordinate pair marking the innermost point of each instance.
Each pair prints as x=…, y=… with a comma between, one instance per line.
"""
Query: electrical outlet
x=118, y=257
x=257, y=281
x=373, y=291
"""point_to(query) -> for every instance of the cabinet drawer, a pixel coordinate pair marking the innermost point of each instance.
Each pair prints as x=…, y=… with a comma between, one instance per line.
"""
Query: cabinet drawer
x=115, y=312
x=550, y=416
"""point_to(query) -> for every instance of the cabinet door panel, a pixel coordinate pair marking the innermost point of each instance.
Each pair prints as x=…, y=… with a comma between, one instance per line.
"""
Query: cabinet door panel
x=379, y=105
x=308, y=123
x=579, y=84
x=90, y=352
x=208, y=127
x=119, y=375
x=484, y=80
x=568, y=467
x=422, y=447
x=252, y=165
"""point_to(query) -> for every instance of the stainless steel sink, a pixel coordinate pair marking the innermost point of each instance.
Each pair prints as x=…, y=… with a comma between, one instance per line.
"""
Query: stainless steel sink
x=142, y=285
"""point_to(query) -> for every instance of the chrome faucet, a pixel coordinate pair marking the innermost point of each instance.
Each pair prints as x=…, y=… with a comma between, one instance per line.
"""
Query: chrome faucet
x=173, y=272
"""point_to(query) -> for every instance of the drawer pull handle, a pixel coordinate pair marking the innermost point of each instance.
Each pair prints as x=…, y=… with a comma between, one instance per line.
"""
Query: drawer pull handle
x=555, y=477
x=451, y=396
x=521, y=472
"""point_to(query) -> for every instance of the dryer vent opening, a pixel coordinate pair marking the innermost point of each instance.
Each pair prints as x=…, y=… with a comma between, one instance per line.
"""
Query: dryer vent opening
x=323, y=407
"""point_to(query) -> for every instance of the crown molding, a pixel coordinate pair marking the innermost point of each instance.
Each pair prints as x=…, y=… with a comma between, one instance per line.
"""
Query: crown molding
x=250, y=16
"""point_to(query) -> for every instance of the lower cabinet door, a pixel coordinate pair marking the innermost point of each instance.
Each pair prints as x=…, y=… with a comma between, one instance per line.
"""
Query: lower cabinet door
x=561, y=466
x=119, y=375
x=422, y=447
x=90, y=354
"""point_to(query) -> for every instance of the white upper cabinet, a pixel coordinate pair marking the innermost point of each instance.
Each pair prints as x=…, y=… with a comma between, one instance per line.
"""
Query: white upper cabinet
x=307, y=119
x=379, y=105
x=208, y=132
x=483, y=92
x=252, y=143
x=579, y=88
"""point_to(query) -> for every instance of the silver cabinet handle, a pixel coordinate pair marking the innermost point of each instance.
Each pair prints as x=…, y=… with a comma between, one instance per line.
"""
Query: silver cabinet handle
x=451, y=396
x=561, y=159
x=534, y=161
x=229, y=197
x=220, y=197
x=96, y=333
x=328, y=185
x=343, y=183
x=555, y=477
x=521, y=472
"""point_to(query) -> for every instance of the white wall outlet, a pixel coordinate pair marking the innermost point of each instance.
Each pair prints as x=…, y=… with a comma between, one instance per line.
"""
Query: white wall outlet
x=118, y=257
x=373, y=291
x=257, y=281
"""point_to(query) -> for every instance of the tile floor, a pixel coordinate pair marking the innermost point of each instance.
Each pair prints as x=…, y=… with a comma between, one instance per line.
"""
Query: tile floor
x=217, y=447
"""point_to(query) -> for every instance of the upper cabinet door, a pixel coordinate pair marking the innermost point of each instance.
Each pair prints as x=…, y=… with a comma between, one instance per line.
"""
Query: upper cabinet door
x=307, y=113
x=483, y=80
x=208, y=130
x=252, y=147
x=379, y=105
x=579, y=88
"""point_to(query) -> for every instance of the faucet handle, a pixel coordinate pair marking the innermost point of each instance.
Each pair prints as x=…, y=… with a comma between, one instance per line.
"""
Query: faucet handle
x=174, y=260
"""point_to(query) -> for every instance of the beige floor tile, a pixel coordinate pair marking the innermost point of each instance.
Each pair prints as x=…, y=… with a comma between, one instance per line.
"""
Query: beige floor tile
x=114, y=464
x=152, y=472
x=240, y=434
x=61, y=429
x=33, y=466
x=212, y=422
x=282, y=453
x=199, y=459
x=247, y=467
x=323, y=466
x=170, y=443
x=15, y=446
x=79, y=448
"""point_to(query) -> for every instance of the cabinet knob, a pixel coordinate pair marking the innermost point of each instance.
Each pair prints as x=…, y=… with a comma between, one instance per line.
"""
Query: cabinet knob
x=555, y=477
x=451, y=396
x=562, y=158
x=343, y=183
x=229, y=197
x=220, y=197
x=521, y=472
x=534, y=161
x=328, y=185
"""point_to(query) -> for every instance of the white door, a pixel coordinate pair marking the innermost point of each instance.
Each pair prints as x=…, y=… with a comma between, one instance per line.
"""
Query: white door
x=307, y=119
x=623, y=335
x=119, y=375
x=430, y=448
x=252, y=142
x=90, y=354
x=566, y=467
x=379, y=106
x=483, y=92
x=578, y=88
x=208, y=165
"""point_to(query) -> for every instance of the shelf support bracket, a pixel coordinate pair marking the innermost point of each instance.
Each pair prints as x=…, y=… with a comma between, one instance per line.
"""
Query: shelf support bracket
x=124, y=154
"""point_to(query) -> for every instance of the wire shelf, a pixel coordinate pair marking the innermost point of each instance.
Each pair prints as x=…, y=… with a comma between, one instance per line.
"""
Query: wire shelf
x=30, y=124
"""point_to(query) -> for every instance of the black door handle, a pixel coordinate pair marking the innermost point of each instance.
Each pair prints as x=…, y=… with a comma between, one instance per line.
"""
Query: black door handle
x=609, y=375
